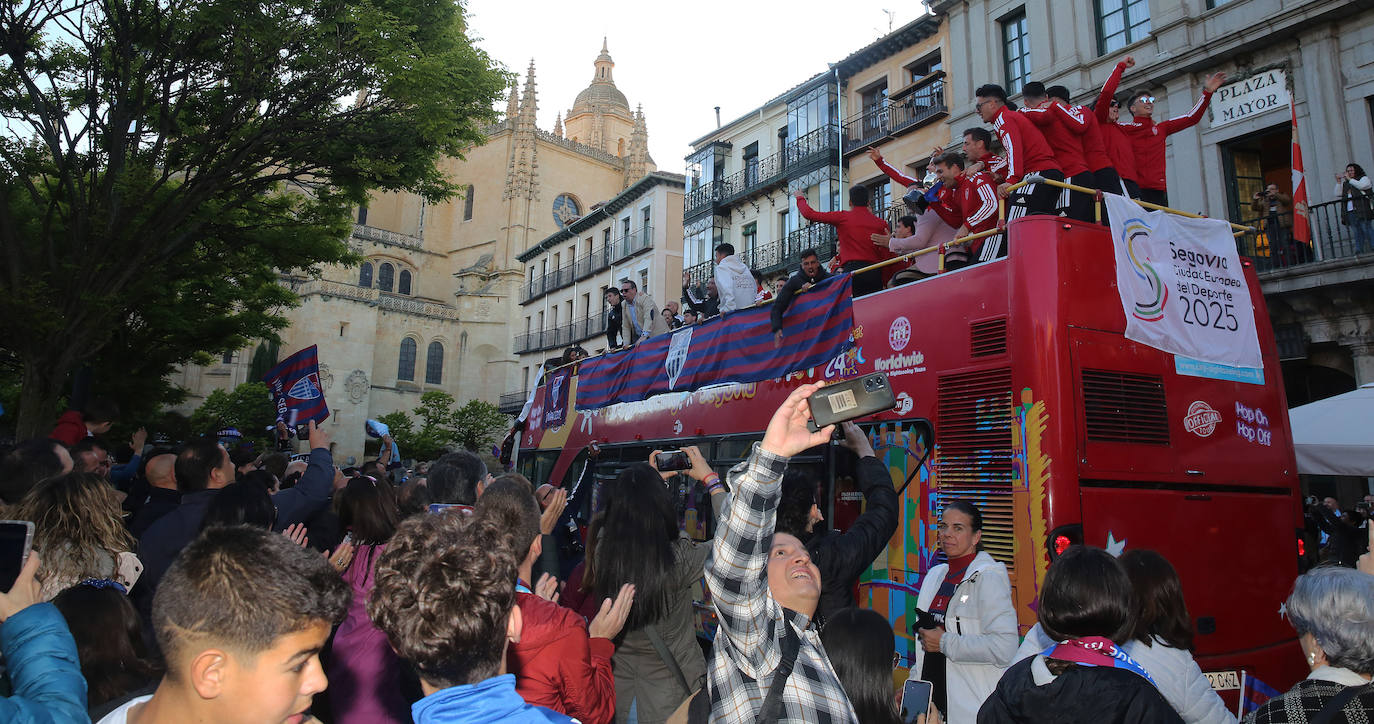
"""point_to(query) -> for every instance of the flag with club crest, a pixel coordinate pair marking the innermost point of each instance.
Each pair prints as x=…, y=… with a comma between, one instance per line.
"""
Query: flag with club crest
x=296, y=390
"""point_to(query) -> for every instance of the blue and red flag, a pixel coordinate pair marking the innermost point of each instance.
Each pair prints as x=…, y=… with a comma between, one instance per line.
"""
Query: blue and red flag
x=1254, y=692
x=736, y=347
x=296, y=391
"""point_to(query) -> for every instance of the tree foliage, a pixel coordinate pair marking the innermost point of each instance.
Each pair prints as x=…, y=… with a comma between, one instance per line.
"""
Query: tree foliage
x=163, y=161
x=443, y=425
x=247, y=407
x=478, y=424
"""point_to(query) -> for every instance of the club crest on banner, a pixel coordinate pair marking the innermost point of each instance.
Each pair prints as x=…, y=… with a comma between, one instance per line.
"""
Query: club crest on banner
x=677, y=355
x=306, y=388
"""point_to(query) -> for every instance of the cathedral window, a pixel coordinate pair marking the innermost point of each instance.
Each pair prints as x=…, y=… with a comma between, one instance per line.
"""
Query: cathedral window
x=386, y=276
x=434, y=364
x=467, y=202
x=365, y=275
x=405, y=369
x=403, y=283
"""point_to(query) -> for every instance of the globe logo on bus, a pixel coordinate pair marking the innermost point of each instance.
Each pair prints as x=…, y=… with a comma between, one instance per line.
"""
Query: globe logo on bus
x=899, y=334
x=1201, y=419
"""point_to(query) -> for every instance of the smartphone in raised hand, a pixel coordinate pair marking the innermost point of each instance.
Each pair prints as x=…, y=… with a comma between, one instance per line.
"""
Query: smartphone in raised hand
x=16, y=538
x=672, y=460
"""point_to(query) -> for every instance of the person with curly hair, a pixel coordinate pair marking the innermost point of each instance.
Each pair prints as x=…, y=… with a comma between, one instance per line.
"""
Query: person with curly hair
x=444, y=595
x=78, y=524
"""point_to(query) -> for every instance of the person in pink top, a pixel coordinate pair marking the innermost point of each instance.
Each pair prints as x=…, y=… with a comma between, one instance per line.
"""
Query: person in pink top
x=364, y=671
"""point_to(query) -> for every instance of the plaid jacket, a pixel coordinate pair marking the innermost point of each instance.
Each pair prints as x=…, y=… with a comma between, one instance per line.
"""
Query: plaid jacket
x=748, y=646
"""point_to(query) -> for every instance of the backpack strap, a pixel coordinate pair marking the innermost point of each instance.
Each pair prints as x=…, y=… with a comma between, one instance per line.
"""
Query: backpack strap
x=791, y=646
x=667, y=656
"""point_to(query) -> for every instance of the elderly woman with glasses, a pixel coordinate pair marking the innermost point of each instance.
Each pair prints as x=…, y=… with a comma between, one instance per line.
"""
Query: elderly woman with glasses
x=1332, y=610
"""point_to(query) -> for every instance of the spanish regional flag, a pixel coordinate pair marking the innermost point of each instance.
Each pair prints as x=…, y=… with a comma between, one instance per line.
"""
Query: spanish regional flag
x=1302, y=229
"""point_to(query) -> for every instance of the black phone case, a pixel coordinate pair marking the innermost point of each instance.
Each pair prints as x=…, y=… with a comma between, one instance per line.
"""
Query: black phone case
x=849, y=400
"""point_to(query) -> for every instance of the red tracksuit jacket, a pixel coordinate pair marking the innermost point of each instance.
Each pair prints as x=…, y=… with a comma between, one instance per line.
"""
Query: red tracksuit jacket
x=1119, y=147
x=1063, y=131
x=1026, y=148
x=1147, y=137
x=855, y=228
x=973, y=203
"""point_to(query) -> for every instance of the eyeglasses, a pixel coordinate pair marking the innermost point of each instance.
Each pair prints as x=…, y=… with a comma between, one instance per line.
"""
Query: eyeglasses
x=1145, y=99
x=625, y=290
x=1116, y=104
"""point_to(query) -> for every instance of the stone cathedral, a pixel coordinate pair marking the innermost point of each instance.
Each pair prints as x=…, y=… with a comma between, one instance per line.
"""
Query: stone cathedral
x=435, y=303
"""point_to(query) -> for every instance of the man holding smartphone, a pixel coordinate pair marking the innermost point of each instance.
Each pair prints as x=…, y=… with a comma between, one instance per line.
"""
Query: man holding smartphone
x=768, y=661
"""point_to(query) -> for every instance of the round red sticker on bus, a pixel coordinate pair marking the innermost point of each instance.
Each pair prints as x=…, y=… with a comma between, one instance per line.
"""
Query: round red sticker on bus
x=1202, y=419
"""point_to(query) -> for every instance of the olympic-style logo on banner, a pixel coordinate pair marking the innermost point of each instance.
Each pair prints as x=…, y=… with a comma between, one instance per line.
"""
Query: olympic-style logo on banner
x=1153, y=310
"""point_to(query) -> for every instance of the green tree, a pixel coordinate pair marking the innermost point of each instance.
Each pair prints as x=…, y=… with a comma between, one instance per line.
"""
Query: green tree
x=166, y=161
x=247, y=407
x=478, y=424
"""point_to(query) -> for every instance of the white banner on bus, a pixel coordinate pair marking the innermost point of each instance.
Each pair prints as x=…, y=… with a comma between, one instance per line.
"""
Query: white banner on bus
x=1181, y=285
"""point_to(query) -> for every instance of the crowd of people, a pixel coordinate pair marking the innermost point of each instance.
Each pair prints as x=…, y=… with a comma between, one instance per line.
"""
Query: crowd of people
x=201, y=589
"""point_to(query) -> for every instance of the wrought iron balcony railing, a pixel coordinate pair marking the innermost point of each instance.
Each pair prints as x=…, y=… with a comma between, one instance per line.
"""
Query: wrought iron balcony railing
x=923, y=104
x=779, y=255
x=762, y=174
x=588, y=264
x=561, y=335
x=1272, y=246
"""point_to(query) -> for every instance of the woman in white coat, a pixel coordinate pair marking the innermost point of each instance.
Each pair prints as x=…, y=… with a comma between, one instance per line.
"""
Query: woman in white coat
x=1161, y=641
x=973, y=638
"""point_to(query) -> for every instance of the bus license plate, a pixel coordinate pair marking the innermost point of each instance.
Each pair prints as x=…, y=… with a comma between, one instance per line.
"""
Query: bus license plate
x=1223, y=680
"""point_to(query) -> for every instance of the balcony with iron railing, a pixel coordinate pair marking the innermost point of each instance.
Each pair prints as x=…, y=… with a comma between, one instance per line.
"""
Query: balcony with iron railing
x=512, y=403
x=779, y=255
x=1273, y=249
x=561, y=335
x=763, y=174
x=584, y=266
x=923, y=103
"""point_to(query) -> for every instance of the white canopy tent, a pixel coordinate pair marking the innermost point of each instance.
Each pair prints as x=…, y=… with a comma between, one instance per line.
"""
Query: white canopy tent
x=1335, y=436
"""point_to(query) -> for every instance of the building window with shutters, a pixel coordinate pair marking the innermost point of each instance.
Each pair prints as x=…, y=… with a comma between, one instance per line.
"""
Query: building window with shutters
x=468, y=197
x=405, y=367
x=434, y=363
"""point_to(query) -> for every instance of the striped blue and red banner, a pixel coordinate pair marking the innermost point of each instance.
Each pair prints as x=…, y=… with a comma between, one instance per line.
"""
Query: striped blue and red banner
x=1255, y=692
x=736, y=347
x=296, y=390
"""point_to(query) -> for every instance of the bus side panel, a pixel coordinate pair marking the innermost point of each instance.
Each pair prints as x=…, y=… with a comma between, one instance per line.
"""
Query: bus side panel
x=1234, y=592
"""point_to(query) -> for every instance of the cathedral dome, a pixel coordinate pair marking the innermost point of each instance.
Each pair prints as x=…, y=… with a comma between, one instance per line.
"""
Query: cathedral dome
x=602, y=94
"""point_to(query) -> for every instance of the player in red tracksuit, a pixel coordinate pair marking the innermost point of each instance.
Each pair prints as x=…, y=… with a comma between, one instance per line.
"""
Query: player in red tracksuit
x=1147, y=137
x=971, y=207
x=855, y=228
x=1064, y=131
x=1100, y=167
x=978, y=149
x=1120, y=149
x=1026, y=153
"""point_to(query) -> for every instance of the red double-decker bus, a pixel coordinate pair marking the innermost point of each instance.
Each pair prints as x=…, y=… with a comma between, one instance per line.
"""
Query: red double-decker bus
x=1045, y=416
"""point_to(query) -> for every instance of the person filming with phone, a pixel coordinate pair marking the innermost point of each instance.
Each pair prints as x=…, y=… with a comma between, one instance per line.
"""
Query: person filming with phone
x=967, y=627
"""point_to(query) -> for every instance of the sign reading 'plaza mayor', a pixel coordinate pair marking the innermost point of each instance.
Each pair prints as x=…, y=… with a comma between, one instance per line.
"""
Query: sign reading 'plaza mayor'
x=1264, y=91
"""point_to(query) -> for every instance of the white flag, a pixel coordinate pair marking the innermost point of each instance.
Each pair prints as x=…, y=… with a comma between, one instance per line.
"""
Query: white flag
x=1181, y=284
